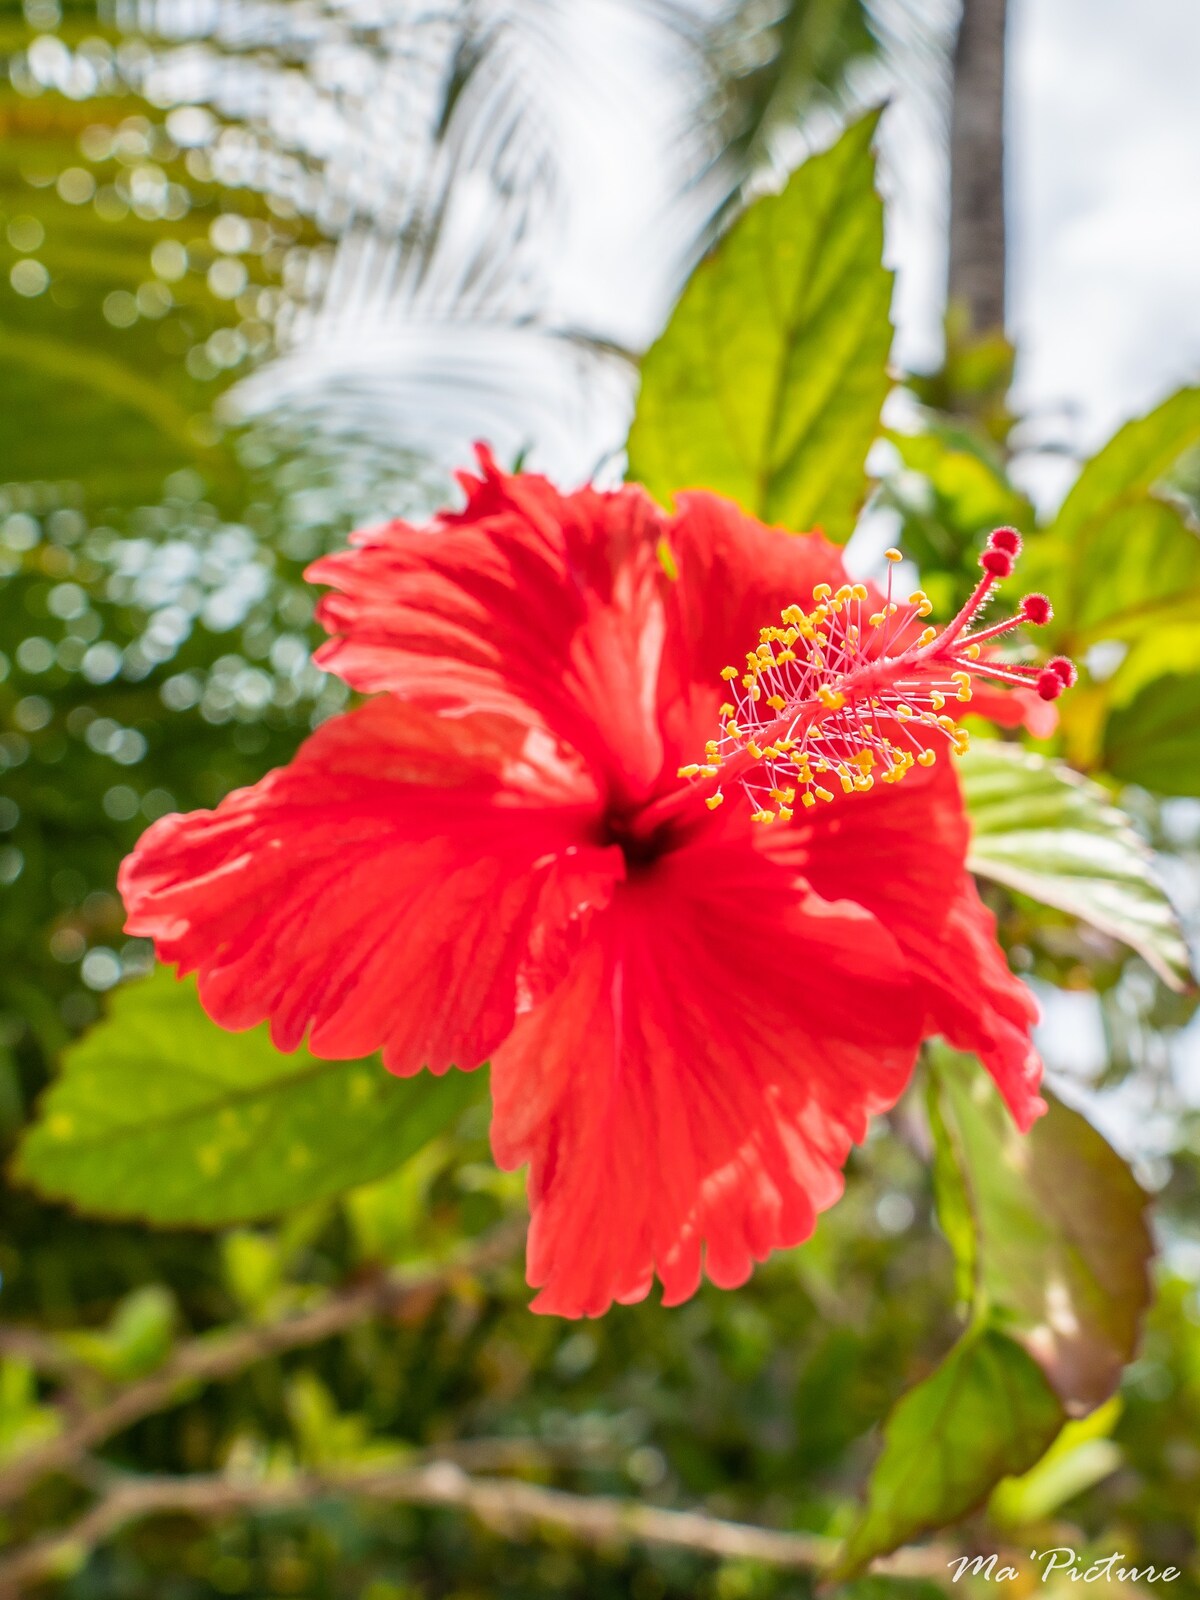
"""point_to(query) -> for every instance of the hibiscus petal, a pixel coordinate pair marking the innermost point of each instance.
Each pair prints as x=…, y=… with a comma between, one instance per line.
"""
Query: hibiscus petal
x=901, y=851
x=898, y=849
x=976, y=1003
x=530, y=603
x=388, y=888
x=735, y=576
x=694, y=1084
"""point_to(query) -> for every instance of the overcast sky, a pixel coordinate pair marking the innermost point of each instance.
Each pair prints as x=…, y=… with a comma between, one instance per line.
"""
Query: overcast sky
x=1103, y=133
x=1104, y=209
x=1104, y=206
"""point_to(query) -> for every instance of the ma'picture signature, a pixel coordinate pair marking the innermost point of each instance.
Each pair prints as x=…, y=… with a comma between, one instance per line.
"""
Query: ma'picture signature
x=1066, y=1563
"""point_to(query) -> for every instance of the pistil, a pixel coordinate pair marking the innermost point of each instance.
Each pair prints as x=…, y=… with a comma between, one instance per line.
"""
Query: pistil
x=826, y=701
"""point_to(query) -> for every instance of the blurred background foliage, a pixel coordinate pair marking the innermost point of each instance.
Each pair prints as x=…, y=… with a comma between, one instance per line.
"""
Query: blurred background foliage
x=266, y=269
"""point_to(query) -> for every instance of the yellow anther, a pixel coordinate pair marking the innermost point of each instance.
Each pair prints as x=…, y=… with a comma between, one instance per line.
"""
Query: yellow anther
x=726, y=710
x=822, y=592
x=689, y=771
x=754, y=750
x=776, y=702
x=962, y=742
x=785, y=656
x=729, y=673
x=755, y=692
x=947, y=723
x=892, y=555
x=865, y=759
x=875, y=618
x=823, y=794
x=928, y=635
x=917, y=596
x=712, y=801
x=793, y=615
x=859, y=591
x=784, y=814
x=712, y=750
x=904, y=712
x=709, y=772
x=864, y=783
x=924, y=609
x=927, y=758
x=846, y=592
x=808, y=799
x=732, y=729
x=847, y=784
x=972, y=652
x=936, y=699
x=831, y=699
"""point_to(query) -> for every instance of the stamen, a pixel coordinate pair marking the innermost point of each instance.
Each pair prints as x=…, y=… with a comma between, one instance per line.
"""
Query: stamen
x=839, y=699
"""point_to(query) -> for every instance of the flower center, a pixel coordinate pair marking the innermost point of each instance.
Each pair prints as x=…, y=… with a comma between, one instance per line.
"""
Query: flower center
x=641, y=844
x=840, y=697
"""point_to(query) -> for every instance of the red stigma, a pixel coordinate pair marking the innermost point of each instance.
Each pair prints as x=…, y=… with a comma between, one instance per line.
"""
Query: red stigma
x=1007, y=539
x=996, y=563
x=850, y=691
x=1049, y=684
x=1064, y=669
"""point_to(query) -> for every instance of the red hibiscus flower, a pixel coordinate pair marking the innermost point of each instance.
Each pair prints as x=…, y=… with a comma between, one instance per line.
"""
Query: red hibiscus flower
x=690, y=1016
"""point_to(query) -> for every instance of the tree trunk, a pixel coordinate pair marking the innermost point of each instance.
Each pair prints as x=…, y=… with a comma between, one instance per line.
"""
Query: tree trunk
x=976, y=283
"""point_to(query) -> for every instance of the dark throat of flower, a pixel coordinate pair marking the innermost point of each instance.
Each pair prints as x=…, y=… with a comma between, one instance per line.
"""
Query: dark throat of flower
x=840, y=697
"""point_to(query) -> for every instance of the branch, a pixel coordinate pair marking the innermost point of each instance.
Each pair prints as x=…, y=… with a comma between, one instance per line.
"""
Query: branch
x=216, y=1357
x=510, y=1508
x=42, y=1351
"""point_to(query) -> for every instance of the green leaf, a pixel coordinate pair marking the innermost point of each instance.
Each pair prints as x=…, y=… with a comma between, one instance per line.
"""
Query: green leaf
x=1136, y=458
x=1153, y=705
x=952, y=485
x=984, y=1414
x=768, y=382
x=1082, y=1455
x=1118, y=559
x=137, y=1339
x=965, y=477
x=1061, y=1249
x=24, y=1423
x=159, y=1114
x=1042, y=830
